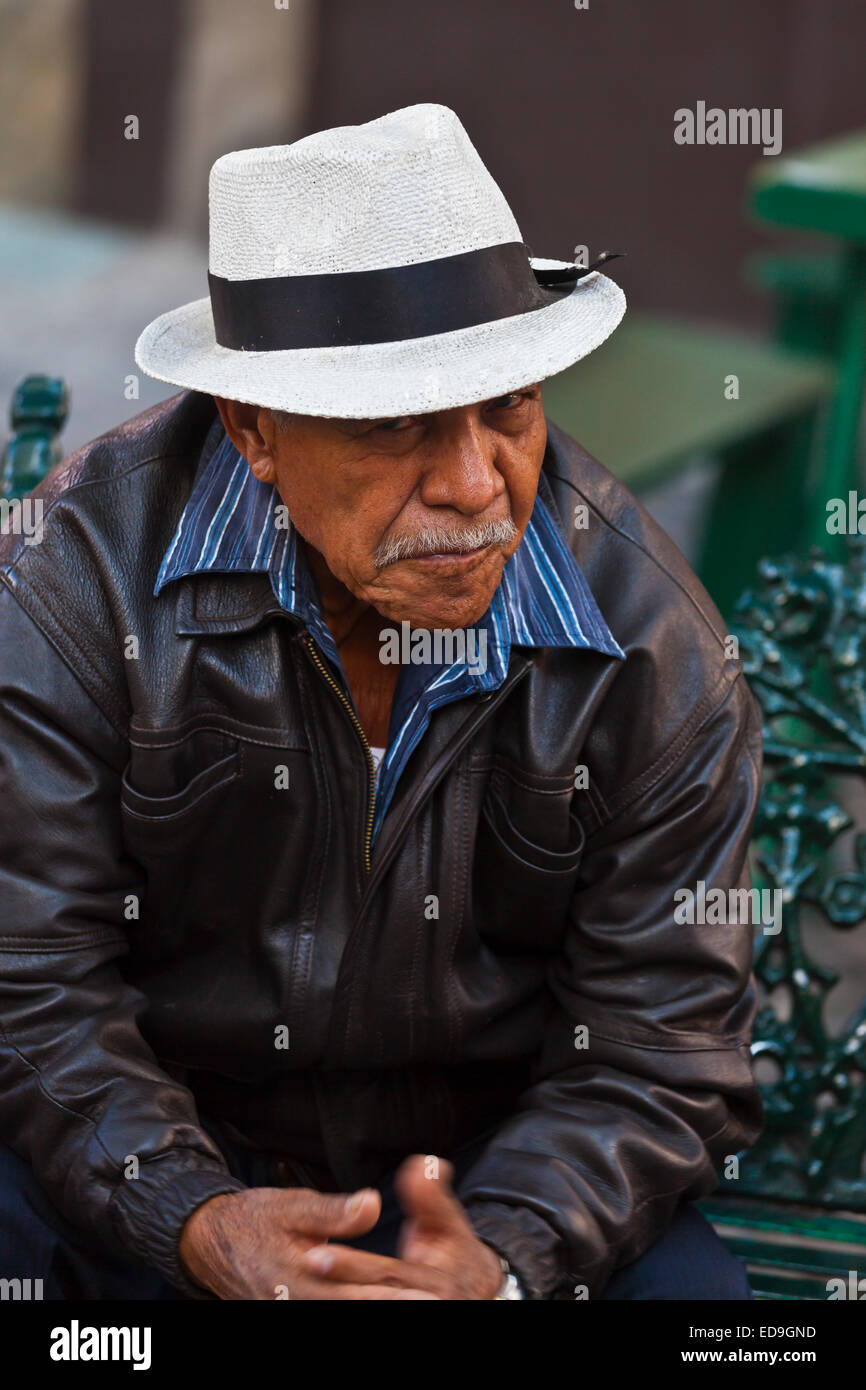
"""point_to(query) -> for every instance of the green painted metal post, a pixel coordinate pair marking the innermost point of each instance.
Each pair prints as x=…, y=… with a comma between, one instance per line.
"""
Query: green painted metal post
x=844, y=469
x=823, y=189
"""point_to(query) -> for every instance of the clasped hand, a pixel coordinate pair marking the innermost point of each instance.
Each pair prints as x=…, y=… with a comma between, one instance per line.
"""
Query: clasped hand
x=268, y=1243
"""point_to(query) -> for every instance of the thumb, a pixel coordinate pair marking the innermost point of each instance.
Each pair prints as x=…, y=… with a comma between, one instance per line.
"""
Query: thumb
x=423, y=1185
x=312, y=1213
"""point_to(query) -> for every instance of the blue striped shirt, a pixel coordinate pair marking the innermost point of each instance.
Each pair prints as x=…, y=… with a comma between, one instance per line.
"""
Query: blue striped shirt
x=235, y=523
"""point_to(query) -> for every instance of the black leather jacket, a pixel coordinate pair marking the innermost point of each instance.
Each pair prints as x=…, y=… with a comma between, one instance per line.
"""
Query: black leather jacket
x=164, y=909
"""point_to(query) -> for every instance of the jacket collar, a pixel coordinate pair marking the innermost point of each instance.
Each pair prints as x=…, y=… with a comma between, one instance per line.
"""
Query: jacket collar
x=233, y=523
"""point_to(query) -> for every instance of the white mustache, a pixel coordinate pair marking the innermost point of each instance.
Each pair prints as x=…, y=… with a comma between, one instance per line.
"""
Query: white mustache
x=431, y=540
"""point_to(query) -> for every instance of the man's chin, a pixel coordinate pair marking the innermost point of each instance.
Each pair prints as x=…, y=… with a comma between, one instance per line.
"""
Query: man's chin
x=434, y=612
x=444, y=601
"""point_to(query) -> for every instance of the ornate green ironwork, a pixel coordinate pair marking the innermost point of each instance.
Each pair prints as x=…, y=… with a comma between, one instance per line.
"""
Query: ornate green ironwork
x=802, y=636
x=38, y=413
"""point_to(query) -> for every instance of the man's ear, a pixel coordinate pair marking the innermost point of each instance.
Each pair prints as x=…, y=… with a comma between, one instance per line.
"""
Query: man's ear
x=242, y=425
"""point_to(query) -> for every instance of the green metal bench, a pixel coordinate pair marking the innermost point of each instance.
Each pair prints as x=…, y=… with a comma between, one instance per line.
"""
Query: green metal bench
x=38, y=413
x=653, y=397
x=822, y=189
x=796, y=1209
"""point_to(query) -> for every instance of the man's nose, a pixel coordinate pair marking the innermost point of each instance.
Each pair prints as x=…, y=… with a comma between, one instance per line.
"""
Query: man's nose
x=461, y=472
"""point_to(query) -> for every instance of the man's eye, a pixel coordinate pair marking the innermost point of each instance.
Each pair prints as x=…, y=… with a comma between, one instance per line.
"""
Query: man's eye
x=509, y=401
x=400, y=422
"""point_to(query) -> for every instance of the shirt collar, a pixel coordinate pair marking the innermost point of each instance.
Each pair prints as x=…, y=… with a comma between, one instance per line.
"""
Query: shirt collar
x=235, y=523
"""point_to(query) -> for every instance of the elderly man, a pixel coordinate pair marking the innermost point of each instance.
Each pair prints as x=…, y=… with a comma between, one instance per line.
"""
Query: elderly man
x=357, y=729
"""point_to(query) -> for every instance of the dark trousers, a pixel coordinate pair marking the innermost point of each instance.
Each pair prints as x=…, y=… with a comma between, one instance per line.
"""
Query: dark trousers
x=688, y=1261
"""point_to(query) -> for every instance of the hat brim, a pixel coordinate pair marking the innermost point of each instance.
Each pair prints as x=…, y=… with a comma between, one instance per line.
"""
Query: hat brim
x=385, y=379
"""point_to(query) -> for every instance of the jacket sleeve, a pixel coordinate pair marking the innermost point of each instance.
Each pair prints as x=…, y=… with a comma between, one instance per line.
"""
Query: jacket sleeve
x=114, y=1142
x=586, y=1173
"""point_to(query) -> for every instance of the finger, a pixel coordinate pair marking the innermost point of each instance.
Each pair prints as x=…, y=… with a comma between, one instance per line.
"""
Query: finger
x=423, y=1186
x=320, y=1290
x=343, y=1264
x=373, y=1293
x=307, y=1212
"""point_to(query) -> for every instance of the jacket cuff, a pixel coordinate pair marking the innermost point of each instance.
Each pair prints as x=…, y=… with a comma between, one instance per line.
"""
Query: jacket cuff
x=149, y=1212
x=531, y=1246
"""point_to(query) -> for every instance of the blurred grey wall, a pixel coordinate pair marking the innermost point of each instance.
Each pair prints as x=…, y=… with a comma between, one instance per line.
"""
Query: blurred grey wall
x=571, y=109
x=573, y=112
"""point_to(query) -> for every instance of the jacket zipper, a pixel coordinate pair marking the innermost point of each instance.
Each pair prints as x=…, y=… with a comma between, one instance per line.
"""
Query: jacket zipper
x=388, y=848
x=371, y=771
x=491, y=702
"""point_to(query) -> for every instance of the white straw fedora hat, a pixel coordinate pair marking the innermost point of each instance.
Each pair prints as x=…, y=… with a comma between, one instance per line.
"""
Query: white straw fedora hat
x=374, y=270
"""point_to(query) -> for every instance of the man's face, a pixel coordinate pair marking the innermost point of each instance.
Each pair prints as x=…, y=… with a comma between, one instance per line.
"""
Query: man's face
x=417, y=514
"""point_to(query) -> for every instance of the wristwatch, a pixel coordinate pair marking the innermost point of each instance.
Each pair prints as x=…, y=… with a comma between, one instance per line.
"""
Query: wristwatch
x=510, y=1286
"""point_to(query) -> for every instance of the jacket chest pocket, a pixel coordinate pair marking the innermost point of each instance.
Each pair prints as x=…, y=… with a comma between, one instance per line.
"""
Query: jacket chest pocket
x=528, y=852
x=227, y=832
x=168, y=794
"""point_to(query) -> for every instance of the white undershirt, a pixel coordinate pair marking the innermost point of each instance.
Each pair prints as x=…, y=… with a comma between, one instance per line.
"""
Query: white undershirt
x=378, y=755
